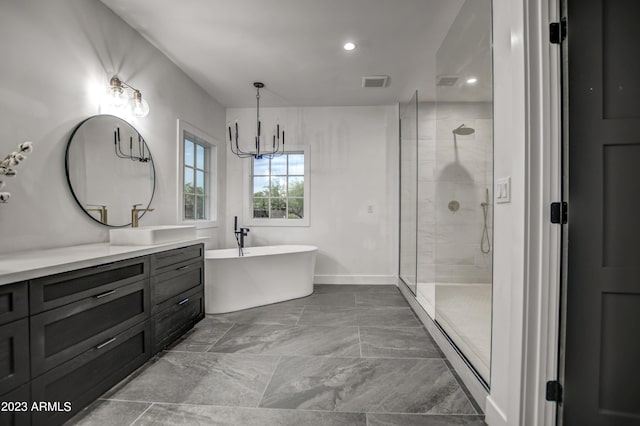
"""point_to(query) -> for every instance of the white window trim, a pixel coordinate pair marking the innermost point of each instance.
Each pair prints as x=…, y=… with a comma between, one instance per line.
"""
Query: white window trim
x=212, y=184
x=248, y=194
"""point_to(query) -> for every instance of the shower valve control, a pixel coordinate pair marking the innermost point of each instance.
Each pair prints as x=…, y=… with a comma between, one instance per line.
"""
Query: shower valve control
x=503, y=190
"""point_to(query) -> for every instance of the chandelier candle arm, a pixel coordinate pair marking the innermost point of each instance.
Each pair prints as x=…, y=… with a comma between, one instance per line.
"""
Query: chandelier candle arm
x=259, y=152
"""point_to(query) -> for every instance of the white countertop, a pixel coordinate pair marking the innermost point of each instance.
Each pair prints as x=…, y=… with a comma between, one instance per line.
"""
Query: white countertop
x=21, y=266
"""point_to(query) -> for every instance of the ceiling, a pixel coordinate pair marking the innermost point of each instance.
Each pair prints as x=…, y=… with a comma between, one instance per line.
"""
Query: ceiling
x=295, y=46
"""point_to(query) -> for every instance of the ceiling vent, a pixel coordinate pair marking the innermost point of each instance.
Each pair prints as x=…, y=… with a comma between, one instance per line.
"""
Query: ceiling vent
x=375, y=81
x=446, y=80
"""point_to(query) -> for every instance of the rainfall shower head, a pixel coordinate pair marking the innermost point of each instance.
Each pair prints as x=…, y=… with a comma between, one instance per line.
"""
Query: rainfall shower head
x=463, y=130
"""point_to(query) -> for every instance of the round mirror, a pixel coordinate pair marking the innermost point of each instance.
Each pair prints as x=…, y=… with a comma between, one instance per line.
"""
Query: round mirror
x=109, y=169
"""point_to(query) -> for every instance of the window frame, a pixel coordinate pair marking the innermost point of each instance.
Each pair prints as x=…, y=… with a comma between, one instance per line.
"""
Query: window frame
x=211, y=175
x=279, y=222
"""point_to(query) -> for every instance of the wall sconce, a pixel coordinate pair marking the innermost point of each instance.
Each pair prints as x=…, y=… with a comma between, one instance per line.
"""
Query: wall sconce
x=119, y=99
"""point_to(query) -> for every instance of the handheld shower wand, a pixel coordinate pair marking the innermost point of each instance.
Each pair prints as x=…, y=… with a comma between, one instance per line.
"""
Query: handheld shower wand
x=485, y=242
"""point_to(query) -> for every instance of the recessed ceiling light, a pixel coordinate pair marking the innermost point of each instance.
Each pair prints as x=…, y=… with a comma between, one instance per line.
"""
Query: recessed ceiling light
x=349, y=46
x=472, y=80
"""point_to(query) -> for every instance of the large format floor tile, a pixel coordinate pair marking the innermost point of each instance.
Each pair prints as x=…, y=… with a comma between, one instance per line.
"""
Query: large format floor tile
x=422, y=420
x=110, y=413
x=191, y=415
x=348, y=355
x=200, y=378
x=202, y=336
x=366, y=385
x=350, y=288
x=290, y=340
x=380, y=299
x=361, y=316
x=398, y=343
x=387, y=317
x=324, y=299
x=277, y=313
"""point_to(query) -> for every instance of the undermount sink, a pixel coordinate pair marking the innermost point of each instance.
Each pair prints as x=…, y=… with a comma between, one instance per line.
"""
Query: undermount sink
x=149, y=235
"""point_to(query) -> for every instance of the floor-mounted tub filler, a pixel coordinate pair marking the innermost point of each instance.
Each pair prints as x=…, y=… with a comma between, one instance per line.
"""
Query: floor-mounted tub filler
x=264, y=275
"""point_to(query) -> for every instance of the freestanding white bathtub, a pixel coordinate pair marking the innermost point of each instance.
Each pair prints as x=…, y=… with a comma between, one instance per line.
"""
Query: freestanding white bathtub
x=262, y=276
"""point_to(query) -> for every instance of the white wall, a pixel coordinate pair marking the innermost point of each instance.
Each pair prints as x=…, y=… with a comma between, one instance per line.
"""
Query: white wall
x=353, y=165
x=57, y=59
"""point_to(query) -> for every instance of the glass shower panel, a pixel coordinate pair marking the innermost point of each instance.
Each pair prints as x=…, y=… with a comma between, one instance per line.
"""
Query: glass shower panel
x=463, y=253
x=408, y=191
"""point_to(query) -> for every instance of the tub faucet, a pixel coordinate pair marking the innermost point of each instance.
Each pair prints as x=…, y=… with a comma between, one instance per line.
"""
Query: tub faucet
x=134, y=214
x=240, y=234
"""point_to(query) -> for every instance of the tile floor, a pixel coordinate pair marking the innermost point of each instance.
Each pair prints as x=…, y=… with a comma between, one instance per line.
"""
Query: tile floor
x=344, y=356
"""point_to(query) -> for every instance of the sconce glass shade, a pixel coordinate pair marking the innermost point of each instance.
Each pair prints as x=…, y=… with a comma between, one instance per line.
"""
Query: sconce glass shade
x=117, y=98
x=139, y=107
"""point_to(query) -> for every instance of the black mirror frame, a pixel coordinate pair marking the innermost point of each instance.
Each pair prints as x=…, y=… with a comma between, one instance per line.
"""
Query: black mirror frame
x=66, y=170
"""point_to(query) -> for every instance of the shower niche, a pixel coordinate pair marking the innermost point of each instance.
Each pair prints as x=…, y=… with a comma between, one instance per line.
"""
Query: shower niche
x=448, y=188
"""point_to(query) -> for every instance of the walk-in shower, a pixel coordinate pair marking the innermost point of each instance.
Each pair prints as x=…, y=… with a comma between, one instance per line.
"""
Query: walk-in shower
x=446, y=229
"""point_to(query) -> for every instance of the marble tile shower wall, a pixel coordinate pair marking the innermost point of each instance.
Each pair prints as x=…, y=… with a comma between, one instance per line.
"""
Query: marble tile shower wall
x=461, y=170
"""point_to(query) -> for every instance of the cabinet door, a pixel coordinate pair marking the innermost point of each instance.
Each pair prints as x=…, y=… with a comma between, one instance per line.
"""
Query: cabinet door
x=182, y=313
x=62, y=333
x=169, y=260
x=14, y=355
x=172, y=283
x=61, y=289
x=90, y=374
x=14, y=303
x=18, y=405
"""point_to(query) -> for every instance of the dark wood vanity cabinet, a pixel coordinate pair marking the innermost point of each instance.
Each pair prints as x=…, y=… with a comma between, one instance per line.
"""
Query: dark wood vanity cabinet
x=14, y=355
x=14, y=351
x=14, y=302
x=180, y=314
x=16, y=413
x=61, y=289
x=177, y=296
x=86, y=377
x=61, y=334
x=70, y=337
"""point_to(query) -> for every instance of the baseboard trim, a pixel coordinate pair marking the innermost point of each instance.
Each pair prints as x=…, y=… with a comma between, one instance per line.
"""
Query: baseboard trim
x=493, y=414
x=466, y=374
x=356, y=279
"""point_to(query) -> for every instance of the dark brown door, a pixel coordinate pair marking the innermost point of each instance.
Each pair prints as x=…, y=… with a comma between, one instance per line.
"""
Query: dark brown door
x=602, y=352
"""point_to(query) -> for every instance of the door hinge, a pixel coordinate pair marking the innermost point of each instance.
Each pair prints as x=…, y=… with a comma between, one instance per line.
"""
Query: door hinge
x=554, y=391
x=559, y=212
x=558, y=31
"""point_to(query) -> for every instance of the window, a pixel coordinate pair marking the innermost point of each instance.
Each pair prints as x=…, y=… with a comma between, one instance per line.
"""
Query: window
x=278, y=187
x=197, y=186
x=196, y=176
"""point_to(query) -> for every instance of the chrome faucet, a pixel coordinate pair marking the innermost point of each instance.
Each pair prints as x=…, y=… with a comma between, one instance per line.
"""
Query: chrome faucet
x=134, y=214
x=102, y=210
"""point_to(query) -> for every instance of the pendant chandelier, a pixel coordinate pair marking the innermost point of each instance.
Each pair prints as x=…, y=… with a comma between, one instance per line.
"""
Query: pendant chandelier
x=261, y=151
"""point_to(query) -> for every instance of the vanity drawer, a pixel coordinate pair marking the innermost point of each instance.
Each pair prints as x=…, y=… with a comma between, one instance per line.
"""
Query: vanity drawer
x=87, y=376
x=63, y=333
x=61, y=289
x=172, y=283
x=179, y=315
x=14, y=355
x=16, y=418
x=169, y=260
x=14, y=302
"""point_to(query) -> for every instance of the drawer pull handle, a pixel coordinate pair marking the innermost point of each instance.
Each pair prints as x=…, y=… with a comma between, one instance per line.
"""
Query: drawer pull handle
x=182, y=267
x=108, y=293
x=108, y=342
x=184, y=301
